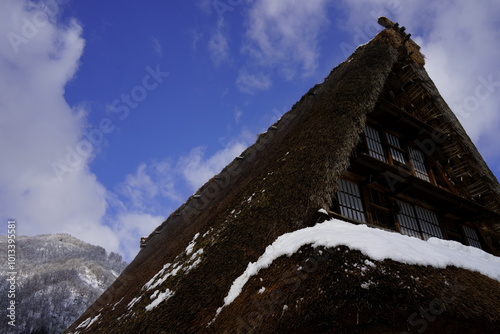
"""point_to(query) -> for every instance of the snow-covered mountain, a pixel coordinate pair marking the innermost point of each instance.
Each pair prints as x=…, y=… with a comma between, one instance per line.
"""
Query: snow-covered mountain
x=58, y=277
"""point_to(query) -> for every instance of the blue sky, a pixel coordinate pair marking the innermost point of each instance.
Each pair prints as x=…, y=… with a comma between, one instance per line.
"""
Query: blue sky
x=112, y=113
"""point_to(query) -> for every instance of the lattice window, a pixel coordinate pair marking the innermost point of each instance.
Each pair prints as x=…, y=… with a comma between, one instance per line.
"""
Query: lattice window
x=395, y=148
x=418, y=222
x=350, y=203
x=408, y=221
x=374, y=143
x=418, y=160
x=472, y=236
x=428, y=223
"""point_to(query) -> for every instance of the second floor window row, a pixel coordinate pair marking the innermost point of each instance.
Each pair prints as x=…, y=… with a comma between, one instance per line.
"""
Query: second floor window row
x=399, y=153
x=367, y=205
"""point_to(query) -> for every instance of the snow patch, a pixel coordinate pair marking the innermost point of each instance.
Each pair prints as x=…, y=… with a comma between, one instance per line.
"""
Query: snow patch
x=180, y=265
x=370, y=263
x=190, y=247
x=207, y=232
x=196, y=262
x=377, y=245
x=249, y=199
x=114, y=306
x=90, y=278
x=162, y=296
x=88, y=322
x=169, y=271
x=162, y=276
x=366, y=285
x=154, y=295
x=133, y=302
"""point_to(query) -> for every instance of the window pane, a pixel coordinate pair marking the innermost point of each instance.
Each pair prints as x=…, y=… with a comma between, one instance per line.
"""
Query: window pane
x=419, y=163
x=397, y=156
x=472, y=236
x=374, y=143
x=408, y=220
x=418, y=222
x=350, y=202
x=393, y=140
x=396, y=150
x=428, y=223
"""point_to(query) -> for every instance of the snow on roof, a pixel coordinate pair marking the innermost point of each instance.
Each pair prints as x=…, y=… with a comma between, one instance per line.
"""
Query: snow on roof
x=377, y=245
x=89, y=322
x=158, y=298
x=191, y=245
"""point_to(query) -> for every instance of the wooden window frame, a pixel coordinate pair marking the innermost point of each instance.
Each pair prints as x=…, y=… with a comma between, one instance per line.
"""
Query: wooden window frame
x=417, y=165
x=372, y=207
x=417, y=221
x=408, y=150
x=351, y=203
x=400, y=148
x=426, y=222
x=372, y=145
x=476, y=238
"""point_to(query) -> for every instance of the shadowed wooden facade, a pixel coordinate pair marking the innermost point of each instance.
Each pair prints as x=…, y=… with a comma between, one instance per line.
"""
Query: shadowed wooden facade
x=413, y=172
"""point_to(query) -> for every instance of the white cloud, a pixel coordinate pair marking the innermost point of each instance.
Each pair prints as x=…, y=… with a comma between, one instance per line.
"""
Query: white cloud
x=142, y=199
x=279, y=37
x=149, y=187
x=130, y=226
x=252, y=82
x=238, y=114
x=284, y=34
x=218, y=44
x=139, y=188
x=206, y=6
x=37, y=126
x=197, y=169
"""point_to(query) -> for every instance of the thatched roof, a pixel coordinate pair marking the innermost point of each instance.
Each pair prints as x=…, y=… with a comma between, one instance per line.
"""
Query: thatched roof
x=451, y=126
x=277, y=186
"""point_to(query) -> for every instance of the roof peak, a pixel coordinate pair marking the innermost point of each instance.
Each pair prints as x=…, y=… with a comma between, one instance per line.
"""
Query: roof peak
x=396, y=36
